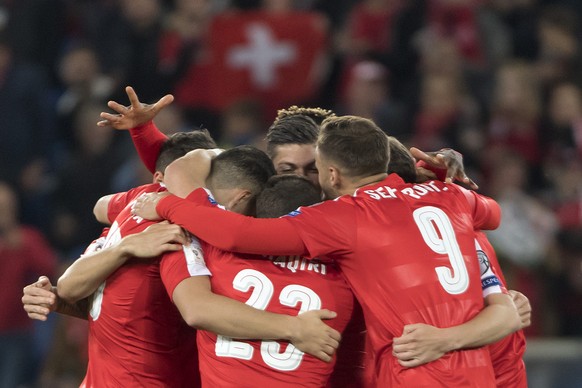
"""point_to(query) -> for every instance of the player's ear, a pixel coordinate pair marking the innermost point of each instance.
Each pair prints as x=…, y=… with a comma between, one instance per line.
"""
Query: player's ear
x=335, y=177
x=239, y=202
x=158, y=177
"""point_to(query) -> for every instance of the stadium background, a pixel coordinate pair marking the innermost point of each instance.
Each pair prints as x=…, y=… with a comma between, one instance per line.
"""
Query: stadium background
x=498, y=80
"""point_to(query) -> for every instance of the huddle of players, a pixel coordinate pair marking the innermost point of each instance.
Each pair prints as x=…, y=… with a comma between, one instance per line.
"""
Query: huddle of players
x=300, y=284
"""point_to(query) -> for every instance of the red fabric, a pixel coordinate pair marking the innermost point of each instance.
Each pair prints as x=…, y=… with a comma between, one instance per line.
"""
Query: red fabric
x=19, y=266
x=148, y=141
x=284, y=285
x=507, y=353
x=137, y=337
x=372, y=26
x=295, y=41
x=373, y=237
x=230, y=231
x=458, y=22
x=350, y=365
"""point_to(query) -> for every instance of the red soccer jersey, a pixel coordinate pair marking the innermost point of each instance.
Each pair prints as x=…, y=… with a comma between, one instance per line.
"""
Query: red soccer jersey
x=407, y=251
x=407, y=261
x=284, y=285
x=136, y=335
x=507, y=353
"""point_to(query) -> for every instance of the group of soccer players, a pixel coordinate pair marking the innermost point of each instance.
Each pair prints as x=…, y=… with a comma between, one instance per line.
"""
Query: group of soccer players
x=407, y=251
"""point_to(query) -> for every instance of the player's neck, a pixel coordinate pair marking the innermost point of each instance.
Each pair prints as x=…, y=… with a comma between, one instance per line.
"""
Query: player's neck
x=364, y=181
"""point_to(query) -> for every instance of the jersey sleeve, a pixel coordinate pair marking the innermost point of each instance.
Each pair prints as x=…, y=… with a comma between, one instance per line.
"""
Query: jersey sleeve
x=327, y=228
x=180, y=265
x=490, y=282
x=231, y=231
x=485, y=211
x=118, y=202
x=148, y=141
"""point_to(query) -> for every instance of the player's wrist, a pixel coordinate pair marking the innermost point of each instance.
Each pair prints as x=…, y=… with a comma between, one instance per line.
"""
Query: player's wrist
x=291, y=328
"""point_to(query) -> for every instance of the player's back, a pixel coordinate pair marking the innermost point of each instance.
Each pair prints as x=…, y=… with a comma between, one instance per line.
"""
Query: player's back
x=286, y=285
x=137, y=336
x=409, y=257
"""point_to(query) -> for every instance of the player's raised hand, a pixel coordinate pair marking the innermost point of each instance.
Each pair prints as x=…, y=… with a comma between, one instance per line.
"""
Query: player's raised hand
x=135, y=114
x=445, y=159
x=145, y=205
x=523, y=307
x=315, y=337
x=155, y=240
x=419, y=344
x=39, y=299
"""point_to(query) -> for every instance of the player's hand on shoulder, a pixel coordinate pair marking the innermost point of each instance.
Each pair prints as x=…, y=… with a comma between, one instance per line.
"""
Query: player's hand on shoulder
x=314, y=337
x=155, y=240
x=419, y=344
x=523, y=307
x=145, y=205
x=135, y=114
x=38, y=299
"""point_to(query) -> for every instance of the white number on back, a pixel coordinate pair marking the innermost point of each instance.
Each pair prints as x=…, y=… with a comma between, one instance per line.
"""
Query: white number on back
x=263, y=290
x=439, y=235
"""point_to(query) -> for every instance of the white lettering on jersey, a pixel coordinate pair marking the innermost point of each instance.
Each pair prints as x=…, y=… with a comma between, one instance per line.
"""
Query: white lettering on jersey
x=297, y=263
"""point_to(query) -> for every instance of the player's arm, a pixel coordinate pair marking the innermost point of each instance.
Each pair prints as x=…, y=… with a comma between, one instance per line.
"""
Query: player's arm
x=100, y=210
x=85, y=275
x=137, y=118
x=40, y=298
x=202, y=309
x=189, y=172
x=421, y=343
x=225, y=230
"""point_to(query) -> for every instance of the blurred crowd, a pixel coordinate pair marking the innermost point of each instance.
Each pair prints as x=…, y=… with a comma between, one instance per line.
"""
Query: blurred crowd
x=498, y=80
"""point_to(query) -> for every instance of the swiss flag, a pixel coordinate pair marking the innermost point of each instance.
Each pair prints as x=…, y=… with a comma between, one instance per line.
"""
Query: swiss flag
x=276, y=58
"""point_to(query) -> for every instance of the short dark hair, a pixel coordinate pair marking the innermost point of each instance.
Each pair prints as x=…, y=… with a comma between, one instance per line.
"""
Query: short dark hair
x=241, y=167
x=296, y=129
x=179, y=144
x=285, y=193
x=401, y=161
x=356, y=144
x=316, y=114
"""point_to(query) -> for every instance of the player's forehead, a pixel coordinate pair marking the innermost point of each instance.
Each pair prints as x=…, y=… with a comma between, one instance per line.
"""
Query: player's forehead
x=298, y=155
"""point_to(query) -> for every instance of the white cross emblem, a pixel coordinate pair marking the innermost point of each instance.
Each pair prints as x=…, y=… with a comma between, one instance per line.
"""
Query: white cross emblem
x=262, y=55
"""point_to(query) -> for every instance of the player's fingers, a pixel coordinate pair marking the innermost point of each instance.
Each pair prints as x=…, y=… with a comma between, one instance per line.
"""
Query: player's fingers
x=332, y=343
x=334, y=334
x=36, y=309
x=171, y=247
x=163, y=102
x=328, y=350
x=134, y=101
x=323, y=356
x=38, y=317
x=104, y=123
x=327, y=314
x=37, y=300
x=110, y=118
x=121, y=109
x=421, y=155
x=410, y=363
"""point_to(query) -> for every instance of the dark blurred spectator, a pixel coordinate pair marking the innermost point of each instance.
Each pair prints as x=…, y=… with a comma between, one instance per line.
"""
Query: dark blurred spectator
x=87, y=176
x=367, y=95
x=509, y=29
x=516, y=115
x=562, y=132
x=81, y=80
x=566, y=284
x=242, y=123
x=27, y=122
x=24, y=255
x=559, y=53
x=526, y=234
